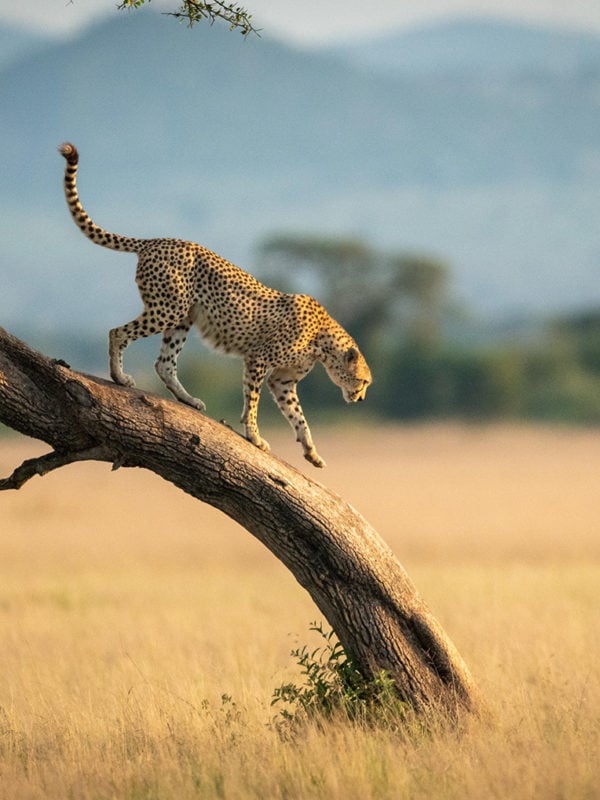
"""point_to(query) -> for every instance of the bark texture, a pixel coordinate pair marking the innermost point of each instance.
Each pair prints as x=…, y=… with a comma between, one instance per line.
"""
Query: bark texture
x=352, y=576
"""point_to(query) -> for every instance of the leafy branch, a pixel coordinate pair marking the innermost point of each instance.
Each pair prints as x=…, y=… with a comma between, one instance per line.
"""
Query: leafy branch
x=333, y=685
x=194, y=11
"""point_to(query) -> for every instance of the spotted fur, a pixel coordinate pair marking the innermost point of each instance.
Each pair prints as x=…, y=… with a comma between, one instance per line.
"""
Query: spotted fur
x=279, y=336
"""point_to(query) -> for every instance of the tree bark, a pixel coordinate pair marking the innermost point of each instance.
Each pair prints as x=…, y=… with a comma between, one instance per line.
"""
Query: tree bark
x=333, y=552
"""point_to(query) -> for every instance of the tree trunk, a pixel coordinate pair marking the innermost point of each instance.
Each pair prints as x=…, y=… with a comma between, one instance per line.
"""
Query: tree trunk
x=352, y=576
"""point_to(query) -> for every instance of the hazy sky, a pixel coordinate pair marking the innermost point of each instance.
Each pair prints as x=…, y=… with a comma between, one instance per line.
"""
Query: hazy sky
x=318, y=20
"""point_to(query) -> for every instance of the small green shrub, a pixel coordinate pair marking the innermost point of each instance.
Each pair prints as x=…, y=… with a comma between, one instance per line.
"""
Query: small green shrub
x=334, y=687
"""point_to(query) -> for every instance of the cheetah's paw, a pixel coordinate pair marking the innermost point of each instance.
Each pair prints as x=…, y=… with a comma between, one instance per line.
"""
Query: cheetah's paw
x=196, y=403
x=259, y=442
x=314, y=458
x=124, y=380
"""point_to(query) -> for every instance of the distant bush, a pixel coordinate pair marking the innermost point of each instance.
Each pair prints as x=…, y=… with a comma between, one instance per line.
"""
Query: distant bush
x=573, y=399
x=449, y=383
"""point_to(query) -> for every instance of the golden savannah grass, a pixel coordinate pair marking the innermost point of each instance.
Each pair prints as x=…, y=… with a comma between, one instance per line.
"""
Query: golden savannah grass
x=143, y=634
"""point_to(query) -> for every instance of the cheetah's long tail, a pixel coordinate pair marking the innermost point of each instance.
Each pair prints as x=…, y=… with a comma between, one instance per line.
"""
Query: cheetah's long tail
x=93, y=232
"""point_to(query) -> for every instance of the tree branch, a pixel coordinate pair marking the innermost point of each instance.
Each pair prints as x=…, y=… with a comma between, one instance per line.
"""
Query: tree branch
x=51, y=461
x=194, y=11
x=333, y=552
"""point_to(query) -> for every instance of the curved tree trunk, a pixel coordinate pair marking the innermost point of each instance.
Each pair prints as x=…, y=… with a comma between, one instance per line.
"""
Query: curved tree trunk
x=352, y=576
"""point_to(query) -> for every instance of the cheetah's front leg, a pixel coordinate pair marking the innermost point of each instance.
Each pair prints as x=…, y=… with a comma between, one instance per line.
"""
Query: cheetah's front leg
x=254, y=375
x=282, y=385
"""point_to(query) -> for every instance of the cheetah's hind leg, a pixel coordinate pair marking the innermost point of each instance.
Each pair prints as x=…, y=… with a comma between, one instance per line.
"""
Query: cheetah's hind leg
x=118, y=339
x=166, y=364
x=147, y=324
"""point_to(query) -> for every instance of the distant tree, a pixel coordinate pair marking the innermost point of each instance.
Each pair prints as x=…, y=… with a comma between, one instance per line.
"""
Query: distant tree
x=340, y=273
x=580, y=332
x=194, y=11
x=422, y=282
x=376, y=295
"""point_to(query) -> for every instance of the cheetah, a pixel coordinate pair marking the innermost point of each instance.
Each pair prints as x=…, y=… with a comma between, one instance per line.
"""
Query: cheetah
x=279, y=336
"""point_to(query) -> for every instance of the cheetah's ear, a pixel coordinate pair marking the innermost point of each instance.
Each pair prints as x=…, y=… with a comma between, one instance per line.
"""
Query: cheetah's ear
x=350, y=356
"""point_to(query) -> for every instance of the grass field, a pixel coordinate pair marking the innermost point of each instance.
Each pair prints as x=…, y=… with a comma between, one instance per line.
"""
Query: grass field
x=142, y=634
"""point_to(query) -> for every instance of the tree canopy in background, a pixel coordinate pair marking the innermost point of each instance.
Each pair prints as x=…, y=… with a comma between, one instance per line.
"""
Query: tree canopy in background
x=429, y=361
x=379, y=297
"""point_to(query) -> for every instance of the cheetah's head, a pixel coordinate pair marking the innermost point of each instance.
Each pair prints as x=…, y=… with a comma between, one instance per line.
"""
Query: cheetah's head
x=351, y=373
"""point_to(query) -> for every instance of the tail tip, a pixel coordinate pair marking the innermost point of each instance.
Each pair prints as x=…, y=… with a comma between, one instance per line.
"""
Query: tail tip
x=69, y=152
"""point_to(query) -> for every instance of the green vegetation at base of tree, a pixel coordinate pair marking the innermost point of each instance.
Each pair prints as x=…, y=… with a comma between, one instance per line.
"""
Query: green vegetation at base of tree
x=332, y=687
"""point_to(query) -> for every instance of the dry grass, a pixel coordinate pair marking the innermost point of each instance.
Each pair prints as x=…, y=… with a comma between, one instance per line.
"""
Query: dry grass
x=127, y=611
